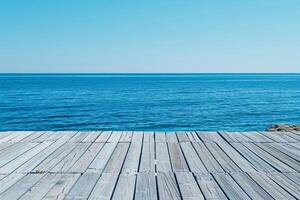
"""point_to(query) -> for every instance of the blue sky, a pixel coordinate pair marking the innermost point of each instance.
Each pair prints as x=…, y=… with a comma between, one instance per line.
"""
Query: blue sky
x=149, y=36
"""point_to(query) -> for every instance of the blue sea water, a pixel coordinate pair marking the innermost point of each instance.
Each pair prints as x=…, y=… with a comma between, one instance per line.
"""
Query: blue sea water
x=210, y=102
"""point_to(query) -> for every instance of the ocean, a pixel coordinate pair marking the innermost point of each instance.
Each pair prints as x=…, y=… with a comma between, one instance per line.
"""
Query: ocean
x=148, y=102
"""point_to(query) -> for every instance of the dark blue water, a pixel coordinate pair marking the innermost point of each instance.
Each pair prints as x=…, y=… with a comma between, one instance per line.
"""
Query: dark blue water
x=231, y=102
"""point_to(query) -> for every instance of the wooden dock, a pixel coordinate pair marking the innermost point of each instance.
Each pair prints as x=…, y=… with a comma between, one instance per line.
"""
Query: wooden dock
x=147, y=165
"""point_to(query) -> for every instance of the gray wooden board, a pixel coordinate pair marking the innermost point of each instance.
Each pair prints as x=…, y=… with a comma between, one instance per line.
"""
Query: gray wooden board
x=279, y=165
x=104, y=136
x=230, y=187
x=39, y=190
x=188, y=186
x=225, y=162
x=167, y=186
x=238, y=159
x=54, y=158
x=250, y=186
x=281, y=156
x=192, y=135
x=208, y=160
x=21, y=187
x=277, y=137
x=116, y=161
x=85, y=160
x=194, y=162
x=62, y=187
x=286, y=183
x=162, y=157
x=132, y=161
x=171, y=137
x=270, y=186
x=177, y=159
x=115, y=136
x=258, y=163
x=125, y=187
x=102, y=158
x=104, y=187
x=235, y=137
x=160, y=137
x=14, y=164
x=126, y=136
x=146, y=187
x=257, y=137
x=210, y=137
x=83, y=187
x=182, y=137
x=148, y=155
x=68, y=161
x=209, y=187
x=92, y=136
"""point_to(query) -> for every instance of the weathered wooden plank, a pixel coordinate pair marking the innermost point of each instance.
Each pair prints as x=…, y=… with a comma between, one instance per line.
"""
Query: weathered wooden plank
x=286, y=183
x=230, y=187
x=146, y=187
x=102, y=158
x=171, y=137
x=79, y=137
x=37, y=159
x=163, y=163
x=277, y=137
x=125, y=187
x=148, y=154
x=208, y=160
x=68, y=161
x=225, y=162
x=62, y=187
x=194, y=162
x=279, y=165
x=208, y=137
x=177, y=158
x=137, y=137
x=132, y=161
x=167, y=185
x=86, y=159
x=269, y=186
x=21, y=136
x=238, y=159
x=54, y=158
x=160, y=137
x=182, y=137
x=257, y=137
x=250, y=187
x=21, y=187
x=280, y=156
x=209, y=186
x=33, y=136
x=14, y=151
x=115, y=162
x=193, y=136
x=188, y=186
x=104, y=136
x=83, y=187
x=115, y=136
x=92, y=136
x=38, y=191
x=235, y=137
x=126, y=136
x=258, y=163
x=104, y=187
x=14, y=164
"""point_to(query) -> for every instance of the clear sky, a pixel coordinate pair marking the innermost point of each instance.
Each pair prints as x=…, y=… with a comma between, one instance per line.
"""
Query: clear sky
x=149, y=36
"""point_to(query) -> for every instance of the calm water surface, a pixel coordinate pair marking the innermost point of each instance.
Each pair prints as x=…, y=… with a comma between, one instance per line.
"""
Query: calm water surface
x=229, y=102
